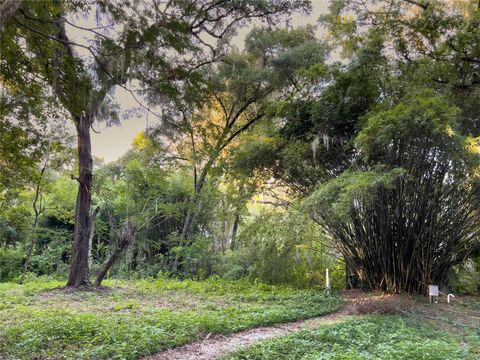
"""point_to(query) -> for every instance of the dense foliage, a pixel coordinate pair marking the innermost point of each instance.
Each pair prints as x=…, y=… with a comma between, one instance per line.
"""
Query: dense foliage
x=355, y=148
x=273, y=155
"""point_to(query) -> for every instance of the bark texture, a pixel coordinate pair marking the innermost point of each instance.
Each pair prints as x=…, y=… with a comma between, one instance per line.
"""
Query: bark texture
x=7, y=10
x=78, y=275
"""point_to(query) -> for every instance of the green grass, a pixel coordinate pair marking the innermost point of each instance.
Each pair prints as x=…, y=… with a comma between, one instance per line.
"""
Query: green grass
x=376, y=337
x=129, y=319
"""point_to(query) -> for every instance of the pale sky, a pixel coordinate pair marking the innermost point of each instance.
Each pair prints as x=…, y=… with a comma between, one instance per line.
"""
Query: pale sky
x=112, y=142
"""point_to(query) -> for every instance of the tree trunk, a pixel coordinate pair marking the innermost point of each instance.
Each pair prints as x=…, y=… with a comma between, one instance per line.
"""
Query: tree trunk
x=188, y=221
x=30, y=249
x=7, y=10
x=220, y=144
x=187, y=226
x=234, y=230
x=79, y=267
x=92, y=233
x=236, y=221
x=108, y=265
x=126, y=238
x=37, y=209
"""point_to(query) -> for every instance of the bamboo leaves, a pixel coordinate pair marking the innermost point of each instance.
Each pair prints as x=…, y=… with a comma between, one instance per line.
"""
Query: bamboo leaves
x=405, y=223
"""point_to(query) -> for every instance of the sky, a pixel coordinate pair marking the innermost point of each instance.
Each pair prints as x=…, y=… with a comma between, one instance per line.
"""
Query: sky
x=112, y=142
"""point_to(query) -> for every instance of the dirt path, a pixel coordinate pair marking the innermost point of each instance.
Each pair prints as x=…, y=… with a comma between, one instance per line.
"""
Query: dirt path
x=215, y=346
x=357, y=304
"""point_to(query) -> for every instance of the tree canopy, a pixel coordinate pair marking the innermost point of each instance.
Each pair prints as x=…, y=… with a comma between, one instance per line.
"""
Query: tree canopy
x=352, y=144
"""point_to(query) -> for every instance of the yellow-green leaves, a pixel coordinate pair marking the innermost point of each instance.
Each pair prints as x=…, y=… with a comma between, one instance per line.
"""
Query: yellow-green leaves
x=423, y=115
x=342, y=193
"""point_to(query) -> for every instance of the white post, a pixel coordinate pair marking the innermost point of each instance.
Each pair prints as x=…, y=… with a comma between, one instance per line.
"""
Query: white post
x=327, y=279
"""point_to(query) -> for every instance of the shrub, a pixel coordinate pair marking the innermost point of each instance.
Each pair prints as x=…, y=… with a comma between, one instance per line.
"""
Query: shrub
x=11, y=263
x=53, y=251
x=283, y=248
x=465, y=279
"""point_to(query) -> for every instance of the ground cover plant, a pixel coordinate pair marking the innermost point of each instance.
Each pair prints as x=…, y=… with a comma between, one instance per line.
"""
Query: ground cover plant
x=375, y=337
x=128, y=319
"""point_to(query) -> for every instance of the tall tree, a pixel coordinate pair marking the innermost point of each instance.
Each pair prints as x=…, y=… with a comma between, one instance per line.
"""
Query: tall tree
x=242, y=90
x=166, y=42
x=398, y=191
x=435, y=42
x=423, y=219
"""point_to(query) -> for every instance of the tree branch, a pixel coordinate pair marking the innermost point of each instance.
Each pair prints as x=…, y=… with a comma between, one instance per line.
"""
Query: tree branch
x=417, y=3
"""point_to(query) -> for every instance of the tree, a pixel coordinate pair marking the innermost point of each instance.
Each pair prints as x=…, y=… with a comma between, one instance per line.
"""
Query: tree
x=312, y=139
x=54, y=157
x=435, y=42
x=19, y=154
x=133, y=198
x=163, y=42
x=393, y=51
x=241, y=91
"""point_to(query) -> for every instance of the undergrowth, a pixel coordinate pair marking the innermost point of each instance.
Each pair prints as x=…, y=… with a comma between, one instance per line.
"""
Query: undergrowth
x=128, y=319
x=373, y=338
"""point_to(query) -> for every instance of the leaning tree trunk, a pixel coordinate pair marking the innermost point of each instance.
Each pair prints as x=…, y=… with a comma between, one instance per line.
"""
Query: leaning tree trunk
x=126, y=238
x=79, y=267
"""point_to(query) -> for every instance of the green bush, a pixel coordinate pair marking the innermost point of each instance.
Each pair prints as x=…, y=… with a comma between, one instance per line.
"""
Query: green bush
x=11, y=263
x=465, y=279
x=196, y=260
x=283, y=248
x=53, y=251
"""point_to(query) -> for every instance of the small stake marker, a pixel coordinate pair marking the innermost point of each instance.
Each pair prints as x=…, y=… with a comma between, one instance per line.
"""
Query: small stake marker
x=327, y=279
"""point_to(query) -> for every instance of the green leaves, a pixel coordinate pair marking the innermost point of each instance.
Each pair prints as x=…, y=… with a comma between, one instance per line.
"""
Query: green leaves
x=350, y=189
x=369, y=339
x=420, y=116
x=61, y=199
x=290, y=53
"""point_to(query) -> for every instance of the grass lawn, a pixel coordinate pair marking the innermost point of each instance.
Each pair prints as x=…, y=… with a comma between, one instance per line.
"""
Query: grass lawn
x=127, y=319
x=428, y=332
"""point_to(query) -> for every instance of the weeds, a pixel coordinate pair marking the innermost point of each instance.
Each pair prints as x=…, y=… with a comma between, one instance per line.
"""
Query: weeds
x=129, y=319
x=377, y=337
